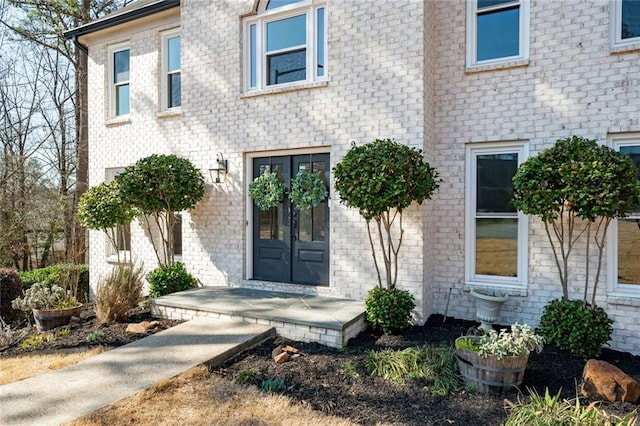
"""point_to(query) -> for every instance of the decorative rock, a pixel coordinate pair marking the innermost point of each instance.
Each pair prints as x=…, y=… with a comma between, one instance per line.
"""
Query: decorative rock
x=603, y=381
x=137, y=328
x=281, y=358
x=276, y=351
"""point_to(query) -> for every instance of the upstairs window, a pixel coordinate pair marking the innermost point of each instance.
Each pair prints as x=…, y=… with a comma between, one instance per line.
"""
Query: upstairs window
x=286, y=44
x=120, y=97
x=171, y=84
x=625, y=22
x=497, y=31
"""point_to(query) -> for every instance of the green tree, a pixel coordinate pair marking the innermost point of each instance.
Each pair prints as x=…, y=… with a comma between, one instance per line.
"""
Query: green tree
x=381, y=179
x=102, y=207
x=159, y=186
x=576, y=187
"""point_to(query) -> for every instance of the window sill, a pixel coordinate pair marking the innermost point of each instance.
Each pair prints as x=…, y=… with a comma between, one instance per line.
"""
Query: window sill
x=168, y=113
x=510, y=289
x=118, y=121
x=496, y=66
x=624, y=298
x=626, y=47
x=124, y=258
x=283, y=89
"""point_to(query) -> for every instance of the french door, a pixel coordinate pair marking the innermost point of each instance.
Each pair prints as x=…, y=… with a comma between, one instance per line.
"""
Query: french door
x=291, y=245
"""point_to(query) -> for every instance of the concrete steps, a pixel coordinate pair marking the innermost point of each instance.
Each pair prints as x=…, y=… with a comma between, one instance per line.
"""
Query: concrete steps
x=308, y=318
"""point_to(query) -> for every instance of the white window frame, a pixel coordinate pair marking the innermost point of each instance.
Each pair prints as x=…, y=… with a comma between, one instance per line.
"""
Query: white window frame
x=165, y=36
x=471, y=278
x=615, y=28
x=112, y=86
x=263, y=17
x=472, y=28
x=177, y=228
x=617, y=289
x=124, y=255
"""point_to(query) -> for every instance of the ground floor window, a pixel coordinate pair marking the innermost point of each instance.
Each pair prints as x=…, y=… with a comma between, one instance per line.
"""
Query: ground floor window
x=496, y=233
x=624, y=235
x=122, y=233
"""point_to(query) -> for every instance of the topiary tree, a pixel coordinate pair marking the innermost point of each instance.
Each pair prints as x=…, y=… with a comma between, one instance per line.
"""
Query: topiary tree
x=381, y=179
x=103, y=208
x=159, y=186
x=576, y=187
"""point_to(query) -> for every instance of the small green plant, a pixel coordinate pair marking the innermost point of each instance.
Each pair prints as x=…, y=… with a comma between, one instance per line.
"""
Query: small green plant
x=552, y=411
x=95, y=337
x=273, y=385
x=170, y=279
x=519, y=341
x=349, y=369
x=267, y=190
x=577, y=327
x=250, y=376
x=307, y=190
x=34, y=341
x=41, y=296
x=437, y=364
x=469, y=344
x=389, y=310
x=119, y=292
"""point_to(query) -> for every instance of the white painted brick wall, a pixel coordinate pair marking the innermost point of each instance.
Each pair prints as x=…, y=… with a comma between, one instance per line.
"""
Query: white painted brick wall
x=396, y=70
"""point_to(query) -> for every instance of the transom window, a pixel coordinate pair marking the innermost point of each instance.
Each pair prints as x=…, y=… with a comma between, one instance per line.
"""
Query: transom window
x=497, y=31
x=171, y=86
x=286, y=44
x=120, y=97
x=625, y=22
x=496, y=242
x=624, y=235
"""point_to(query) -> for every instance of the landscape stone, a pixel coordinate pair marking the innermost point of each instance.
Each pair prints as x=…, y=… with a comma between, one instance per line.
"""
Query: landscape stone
x=603, y=381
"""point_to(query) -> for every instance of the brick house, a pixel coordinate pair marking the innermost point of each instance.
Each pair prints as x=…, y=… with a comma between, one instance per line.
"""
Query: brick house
x=478, y=85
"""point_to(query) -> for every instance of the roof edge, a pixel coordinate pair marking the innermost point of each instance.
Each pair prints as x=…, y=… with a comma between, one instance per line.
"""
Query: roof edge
x=121, y=18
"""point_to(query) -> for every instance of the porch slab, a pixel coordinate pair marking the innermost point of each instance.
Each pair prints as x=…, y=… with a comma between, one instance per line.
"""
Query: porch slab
x=326, y=320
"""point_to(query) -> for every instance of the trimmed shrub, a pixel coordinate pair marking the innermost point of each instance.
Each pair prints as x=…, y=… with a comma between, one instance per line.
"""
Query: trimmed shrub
x=10, y=289
x=390, y=309
x=577, y=327
x=167, y=279
x=118, y=293
x=74, y=278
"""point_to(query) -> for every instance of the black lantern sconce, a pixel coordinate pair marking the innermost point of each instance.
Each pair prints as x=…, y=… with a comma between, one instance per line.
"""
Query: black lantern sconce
x=219, y=171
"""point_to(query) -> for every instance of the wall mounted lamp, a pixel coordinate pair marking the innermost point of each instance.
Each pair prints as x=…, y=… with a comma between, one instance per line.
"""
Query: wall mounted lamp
x=218, y=172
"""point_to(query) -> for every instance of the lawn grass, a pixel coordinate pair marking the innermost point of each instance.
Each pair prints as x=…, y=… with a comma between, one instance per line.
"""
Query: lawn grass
x=197, y=398
x=22, y=367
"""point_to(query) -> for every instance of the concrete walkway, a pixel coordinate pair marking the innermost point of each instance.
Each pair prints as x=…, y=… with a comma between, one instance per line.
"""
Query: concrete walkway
x=77, y=390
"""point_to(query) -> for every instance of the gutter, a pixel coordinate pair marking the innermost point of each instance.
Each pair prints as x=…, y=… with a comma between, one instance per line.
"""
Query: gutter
x=117, y=19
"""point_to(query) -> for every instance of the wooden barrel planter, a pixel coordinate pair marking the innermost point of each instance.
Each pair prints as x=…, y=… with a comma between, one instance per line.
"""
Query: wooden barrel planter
x=490, y=374
x=46, y=319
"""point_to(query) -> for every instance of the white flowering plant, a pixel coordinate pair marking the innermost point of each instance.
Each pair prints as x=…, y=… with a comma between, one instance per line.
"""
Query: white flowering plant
x=42, y=296
x=519, y=341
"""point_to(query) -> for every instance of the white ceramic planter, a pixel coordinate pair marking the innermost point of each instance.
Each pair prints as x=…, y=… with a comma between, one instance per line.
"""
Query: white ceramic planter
x=488, y=305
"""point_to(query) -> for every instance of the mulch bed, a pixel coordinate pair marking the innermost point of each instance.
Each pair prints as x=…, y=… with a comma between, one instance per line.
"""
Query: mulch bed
x=336, y=382
x=320, y=380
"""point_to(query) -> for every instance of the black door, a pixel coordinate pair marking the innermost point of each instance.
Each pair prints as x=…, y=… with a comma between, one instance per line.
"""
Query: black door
x=291, y=245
